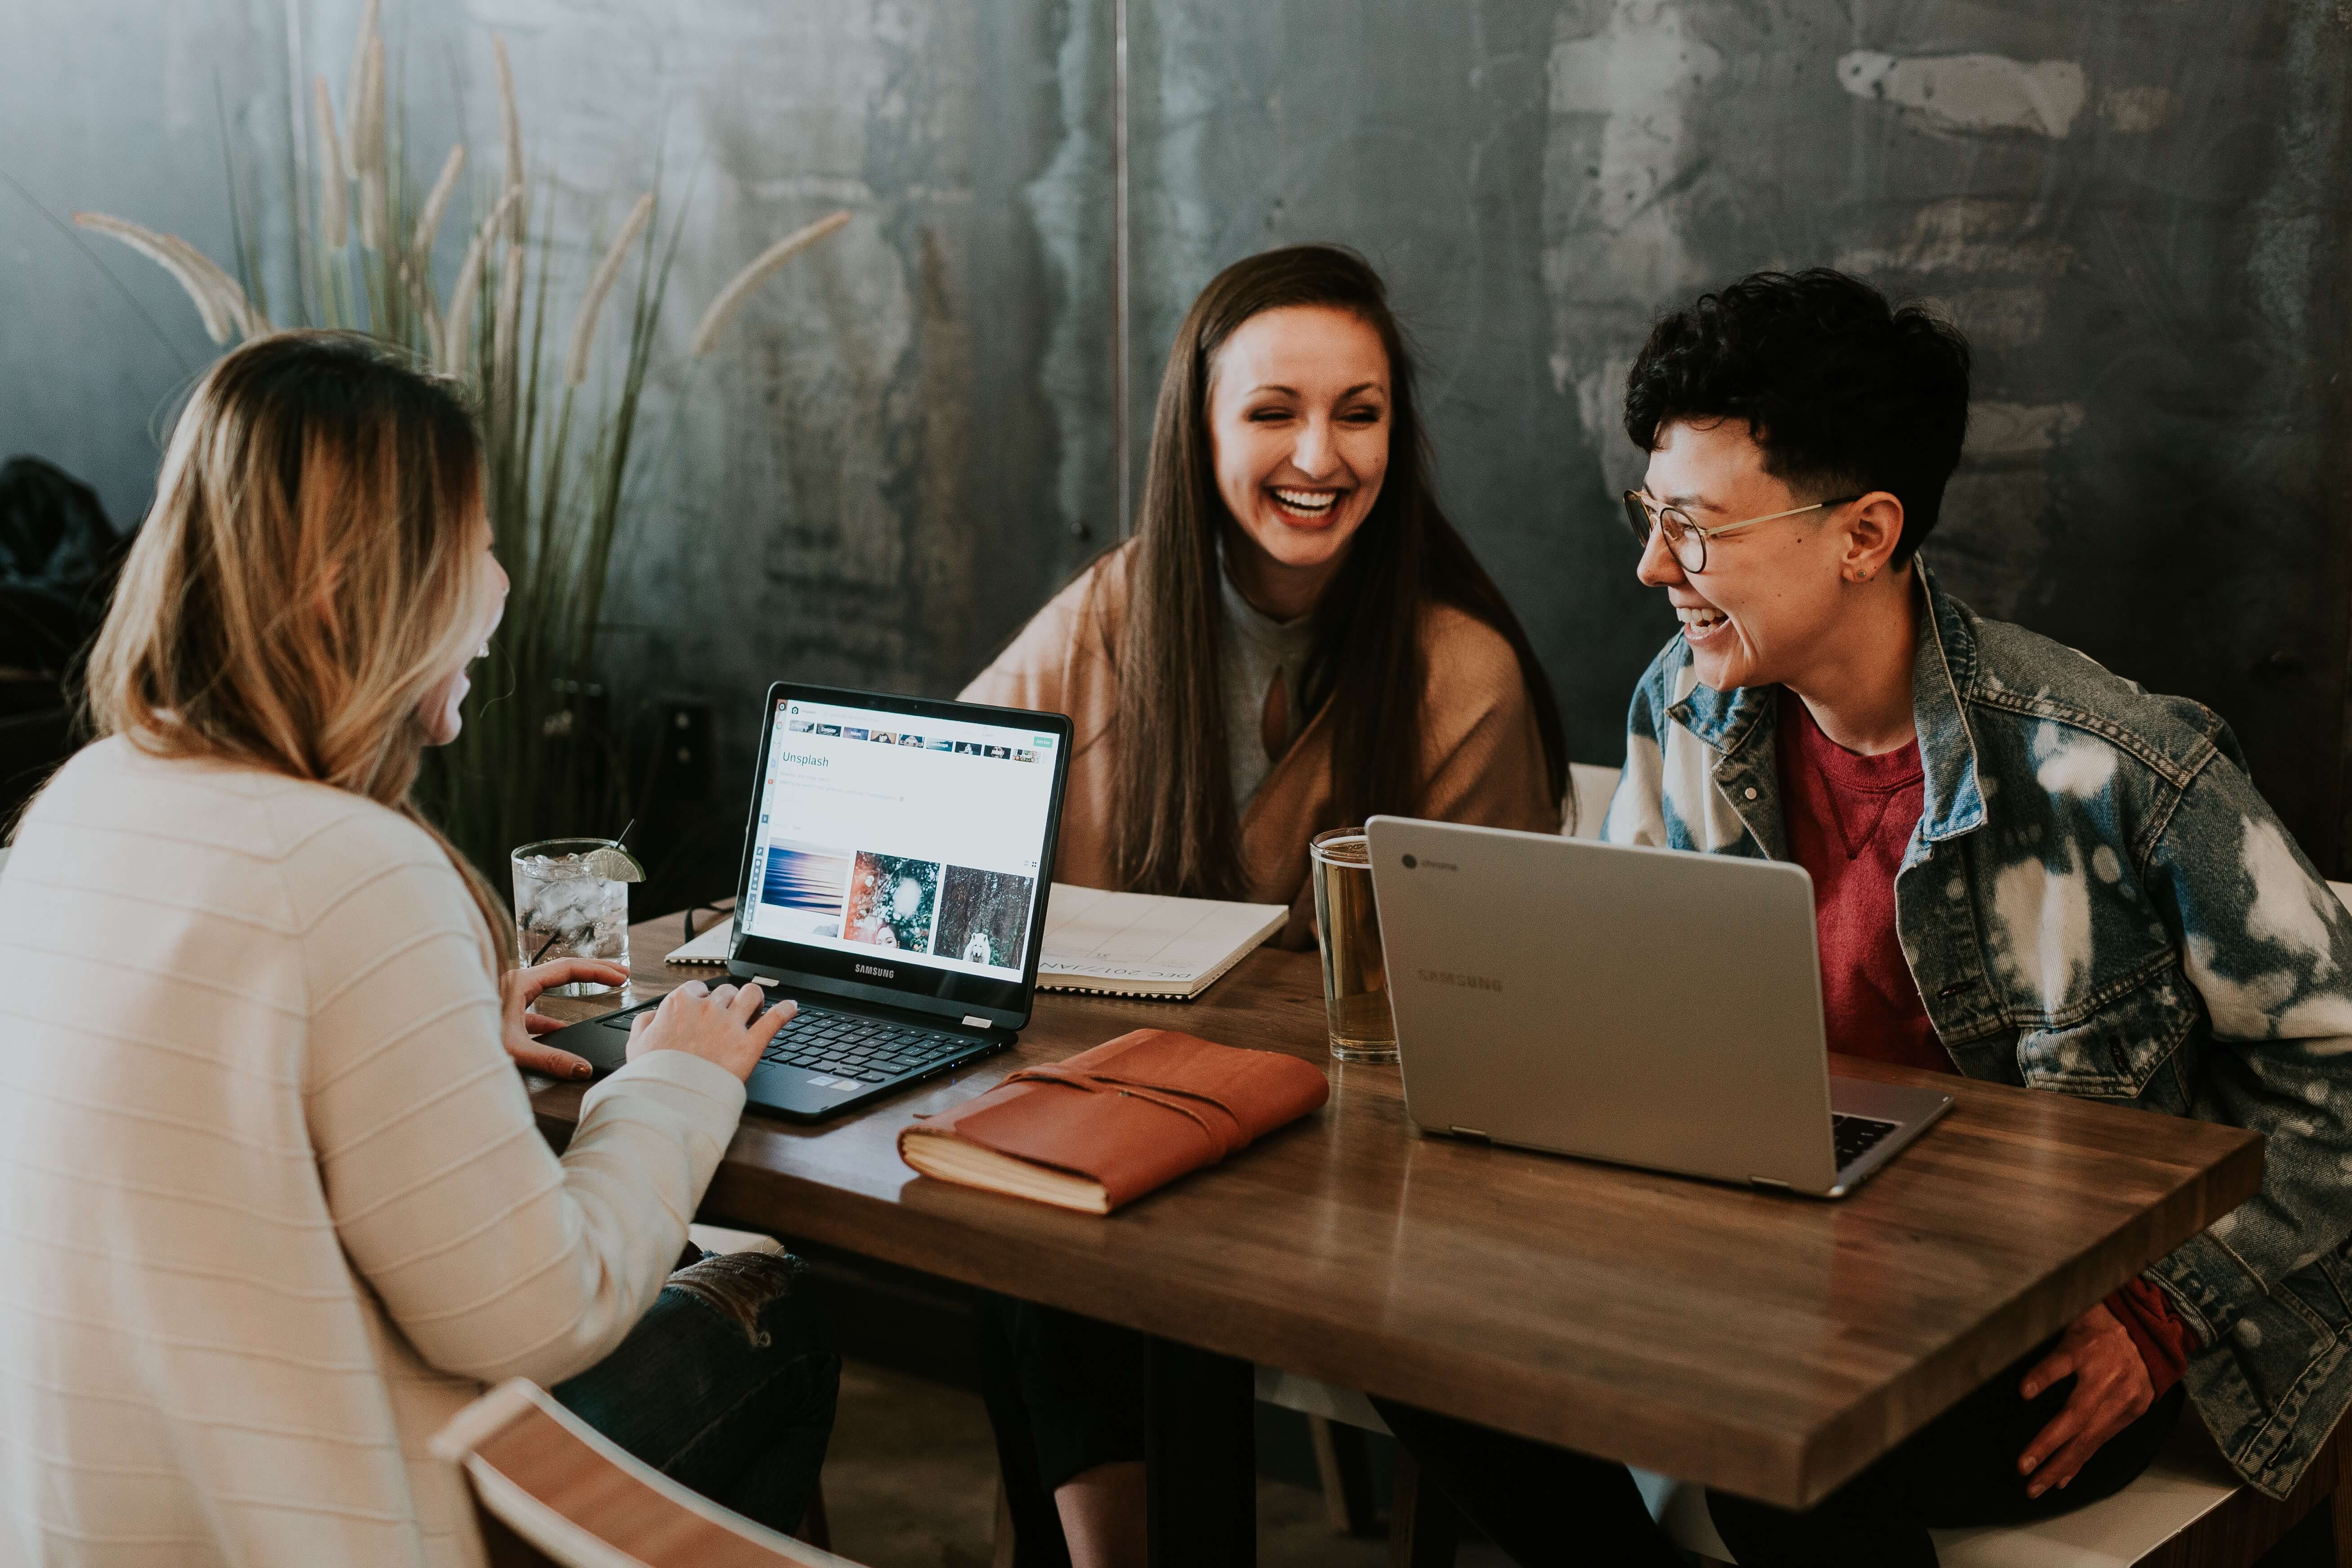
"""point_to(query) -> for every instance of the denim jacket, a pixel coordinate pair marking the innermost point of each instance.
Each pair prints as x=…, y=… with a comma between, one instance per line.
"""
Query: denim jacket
x=2097, y=901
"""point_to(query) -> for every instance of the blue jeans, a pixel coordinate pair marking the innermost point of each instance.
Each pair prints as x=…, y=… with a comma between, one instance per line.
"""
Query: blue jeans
x=726, y=1386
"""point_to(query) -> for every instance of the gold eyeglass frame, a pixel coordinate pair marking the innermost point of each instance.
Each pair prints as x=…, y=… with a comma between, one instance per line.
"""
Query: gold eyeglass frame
x=1641, y=518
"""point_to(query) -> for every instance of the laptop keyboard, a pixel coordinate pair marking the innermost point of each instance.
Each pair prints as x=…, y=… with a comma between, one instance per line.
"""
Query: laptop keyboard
x=1857, y=1135
x=871, y=1050
x=847, y=1045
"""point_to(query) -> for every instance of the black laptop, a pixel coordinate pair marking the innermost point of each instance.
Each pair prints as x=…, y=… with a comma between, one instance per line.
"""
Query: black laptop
x=893, y=882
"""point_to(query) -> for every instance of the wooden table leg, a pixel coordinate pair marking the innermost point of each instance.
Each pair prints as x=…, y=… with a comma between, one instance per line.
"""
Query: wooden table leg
x=1343, y=1463
x=1423, y=1529
x=1201, y=1458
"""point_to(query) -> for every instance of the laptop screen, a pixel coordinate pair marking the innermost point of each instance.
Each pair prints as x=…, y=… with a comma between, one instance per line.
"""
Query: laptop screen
x=907, y=846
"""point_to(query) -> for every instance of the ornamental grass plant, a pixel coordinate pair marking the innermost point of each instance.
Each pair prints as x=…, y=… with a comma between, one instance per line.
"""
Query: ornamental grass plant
x=559, y=415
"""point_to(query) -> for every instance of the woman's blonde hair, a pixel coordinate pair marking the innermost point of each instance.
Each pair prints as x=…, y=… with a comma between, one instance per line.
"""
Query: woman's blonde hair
x=312, y=566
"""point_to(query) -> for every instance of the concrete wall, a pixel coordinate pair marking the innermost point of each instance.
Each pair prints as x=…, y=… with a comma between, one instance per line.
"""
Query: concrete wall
x=2135, y=209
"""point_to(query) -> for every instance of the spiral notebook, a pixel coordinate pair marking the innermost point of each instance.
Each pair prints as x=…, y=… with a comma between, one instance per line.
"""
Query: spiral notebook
x=1111, y=944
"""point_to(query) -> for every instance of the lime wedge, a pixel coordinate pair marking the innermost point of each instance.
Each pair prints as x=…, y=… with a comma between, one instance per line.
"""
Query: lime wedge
x=614, y=864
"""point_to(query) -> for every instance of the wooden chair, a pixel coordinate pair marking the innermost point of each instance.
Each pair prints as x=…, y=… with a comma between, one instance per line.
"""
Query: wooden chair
x=549, y=1489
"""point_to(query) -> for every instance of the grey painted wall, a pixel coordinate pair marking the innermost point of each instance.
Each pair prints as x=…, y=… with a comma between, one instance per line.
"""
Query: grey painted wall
x=2135, y=209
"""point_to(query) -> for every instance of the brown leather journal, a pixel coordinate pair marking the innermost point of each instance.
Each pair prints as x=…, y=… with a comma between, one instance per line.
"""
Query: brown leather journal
x=1113, y=1124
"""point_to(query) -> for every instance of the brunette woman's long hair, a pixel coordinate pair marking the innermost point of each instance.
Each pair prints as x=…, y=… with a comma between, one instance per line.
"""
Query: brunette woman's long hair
x=1178, y=828
x=313, y=563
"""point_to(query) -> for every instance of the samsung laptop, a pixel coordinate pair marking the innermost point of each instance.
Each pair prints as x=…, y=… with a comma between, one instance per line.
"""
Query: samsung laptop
x=1652, y=1007
x=893, y=882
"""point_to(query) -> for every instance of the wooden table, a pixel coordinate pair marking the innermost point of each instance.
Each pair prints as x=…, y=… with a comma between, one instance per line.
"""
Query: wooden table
x=1768, y=1344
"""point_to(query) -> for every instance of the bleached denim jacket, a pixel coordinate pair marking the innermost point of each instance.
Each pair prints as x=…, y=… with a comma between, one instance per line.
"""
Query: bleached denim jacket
x=2097, y=901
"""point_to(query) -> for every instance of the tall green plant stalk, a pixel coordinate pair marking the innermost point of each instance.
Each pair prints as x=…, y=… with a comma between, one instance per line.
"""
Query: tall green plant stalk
x=538, y=756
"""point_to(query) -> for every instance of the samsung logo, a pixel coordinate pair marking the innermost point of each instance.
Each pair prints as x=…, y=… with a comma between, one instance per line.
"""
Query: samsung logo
x=879, y=972
x=1468, y=981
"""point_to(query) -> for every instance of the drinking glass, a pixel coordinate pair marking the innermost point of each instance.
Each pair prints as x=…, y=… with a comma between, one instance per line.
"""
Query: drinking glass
x=1348, y=929
x=566, y=907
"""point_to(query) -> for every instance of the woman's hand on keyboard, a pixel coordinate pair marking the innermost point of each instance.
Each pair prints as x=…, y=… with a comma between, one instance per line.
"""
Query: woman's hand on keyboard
x=717, y=1025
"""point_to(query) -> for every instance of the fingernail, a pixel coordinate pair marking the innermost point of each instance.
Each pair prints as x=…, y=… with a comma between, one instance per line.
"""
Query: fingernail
x=582, y=1071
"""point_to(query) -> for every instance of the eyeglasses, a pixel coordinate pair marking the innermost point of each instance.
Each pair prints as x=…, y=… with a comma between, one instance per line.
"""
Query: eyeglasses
x=1687, y=538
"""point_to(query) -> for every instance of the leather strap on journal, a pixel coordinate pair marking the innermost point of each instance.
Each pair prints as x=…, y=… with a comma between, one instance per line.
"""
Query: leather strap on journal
x=1224, y=1134
x=1136, y=1112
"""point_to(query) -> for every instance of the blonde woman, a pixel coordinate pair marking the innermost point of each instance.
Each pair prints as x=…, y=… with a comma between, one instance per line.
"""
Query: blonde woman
x=272, y=1203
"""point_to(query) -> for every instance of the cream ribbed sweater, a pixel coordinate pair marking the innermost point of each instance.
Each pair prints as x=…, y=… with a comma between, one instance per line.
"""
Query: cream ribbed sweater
x=272, y=1204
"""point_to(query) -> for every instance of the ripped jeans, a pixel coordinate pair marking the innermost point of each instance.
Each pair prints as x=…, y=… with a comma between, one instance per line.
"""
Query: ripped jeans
x=726, y=1386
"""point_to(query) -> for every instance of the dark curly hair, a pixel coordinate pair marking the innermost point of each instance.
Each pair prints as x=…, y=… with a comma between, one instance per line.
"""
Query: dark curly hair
x=1843, y=394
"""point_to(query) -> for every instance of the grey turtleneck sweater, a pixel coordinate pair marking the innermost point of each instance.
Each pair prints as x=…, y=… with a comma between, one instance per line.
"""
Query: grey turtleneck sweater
x=1256, y=651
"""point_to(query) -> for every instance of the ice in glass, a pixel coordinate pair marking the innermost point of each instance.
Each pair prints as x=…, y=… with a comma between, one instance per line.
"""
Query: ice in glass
x=567, y=905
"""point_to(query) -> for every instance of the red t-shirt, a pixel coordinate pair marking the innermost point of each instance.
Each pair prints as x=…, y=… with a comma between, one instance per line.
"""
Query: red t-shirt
x=1849, y=819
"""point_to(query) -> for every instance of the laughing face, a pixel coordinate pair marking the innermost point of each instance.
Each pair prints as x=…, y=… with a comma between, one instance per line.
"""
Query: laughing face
x=1298, y=410
x=442, y=709
x=1764, y=609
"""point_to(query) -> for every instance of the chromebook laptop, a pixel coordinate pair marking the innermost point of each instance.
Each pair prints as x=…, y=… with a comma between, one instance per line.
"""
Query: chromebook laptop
x=894, y=880
x=1651, y=1007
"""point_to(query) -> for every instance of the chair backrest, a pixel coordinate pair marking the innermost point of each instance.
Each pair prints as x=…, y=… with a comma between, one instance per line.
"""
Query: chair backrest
x=1591, y=787
x=548, y=1487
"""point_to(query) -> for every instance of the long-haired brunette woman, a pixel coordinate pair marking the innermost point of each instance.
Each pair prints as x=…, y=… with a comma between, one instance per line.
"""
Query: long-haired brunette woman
x=1297, y=638
x=272, y=1203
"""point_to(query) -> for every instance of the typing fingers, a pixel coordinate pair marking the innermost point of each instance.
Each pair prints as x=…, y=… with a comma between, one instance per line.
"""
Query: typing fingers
x=764, y=1027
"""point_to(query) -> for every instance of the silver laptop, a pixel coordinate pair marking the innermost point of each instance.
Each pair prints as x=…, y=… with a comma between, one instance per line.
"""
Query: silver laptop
x=1651, y=1007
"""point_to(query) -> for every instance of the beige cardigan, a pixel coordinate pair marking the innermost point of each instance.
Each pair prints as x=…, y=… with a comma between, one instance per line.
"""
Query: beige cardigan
x=1480, y=752
x=272, y=1203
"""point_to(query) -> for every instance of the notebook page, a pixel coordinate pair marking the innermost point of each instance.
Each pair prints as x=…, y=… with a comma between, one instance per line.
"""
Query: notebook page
x=1091, y=934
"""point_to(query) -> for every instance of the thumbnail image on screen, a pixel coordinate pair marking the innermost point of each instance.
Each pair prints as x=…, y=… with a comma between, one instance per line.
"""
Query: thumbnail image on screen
x=892, y=902
x=983, y=915
x=804, y=887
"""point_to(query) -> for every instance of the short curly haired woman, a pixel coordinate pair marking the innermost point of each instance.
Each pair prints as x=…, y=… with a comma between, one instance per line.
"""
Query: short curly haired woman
x=272, y=1201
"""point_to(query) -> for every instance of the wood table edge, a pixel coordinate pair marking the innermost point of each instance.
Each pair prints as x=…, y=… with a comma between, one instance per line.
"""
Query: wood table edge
x=1827, y=1460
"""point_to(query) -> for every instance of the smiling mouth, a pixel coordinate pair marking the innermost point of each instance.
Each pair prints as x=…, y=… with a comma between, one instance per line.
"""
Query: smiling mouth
x=1307, y=506
x=1700, y=622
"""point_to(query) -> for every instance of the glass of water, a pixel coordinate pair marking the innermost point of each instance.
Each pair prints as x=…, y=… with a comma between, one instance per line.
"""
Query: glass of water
x=1348, y=929
x=570, y=904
